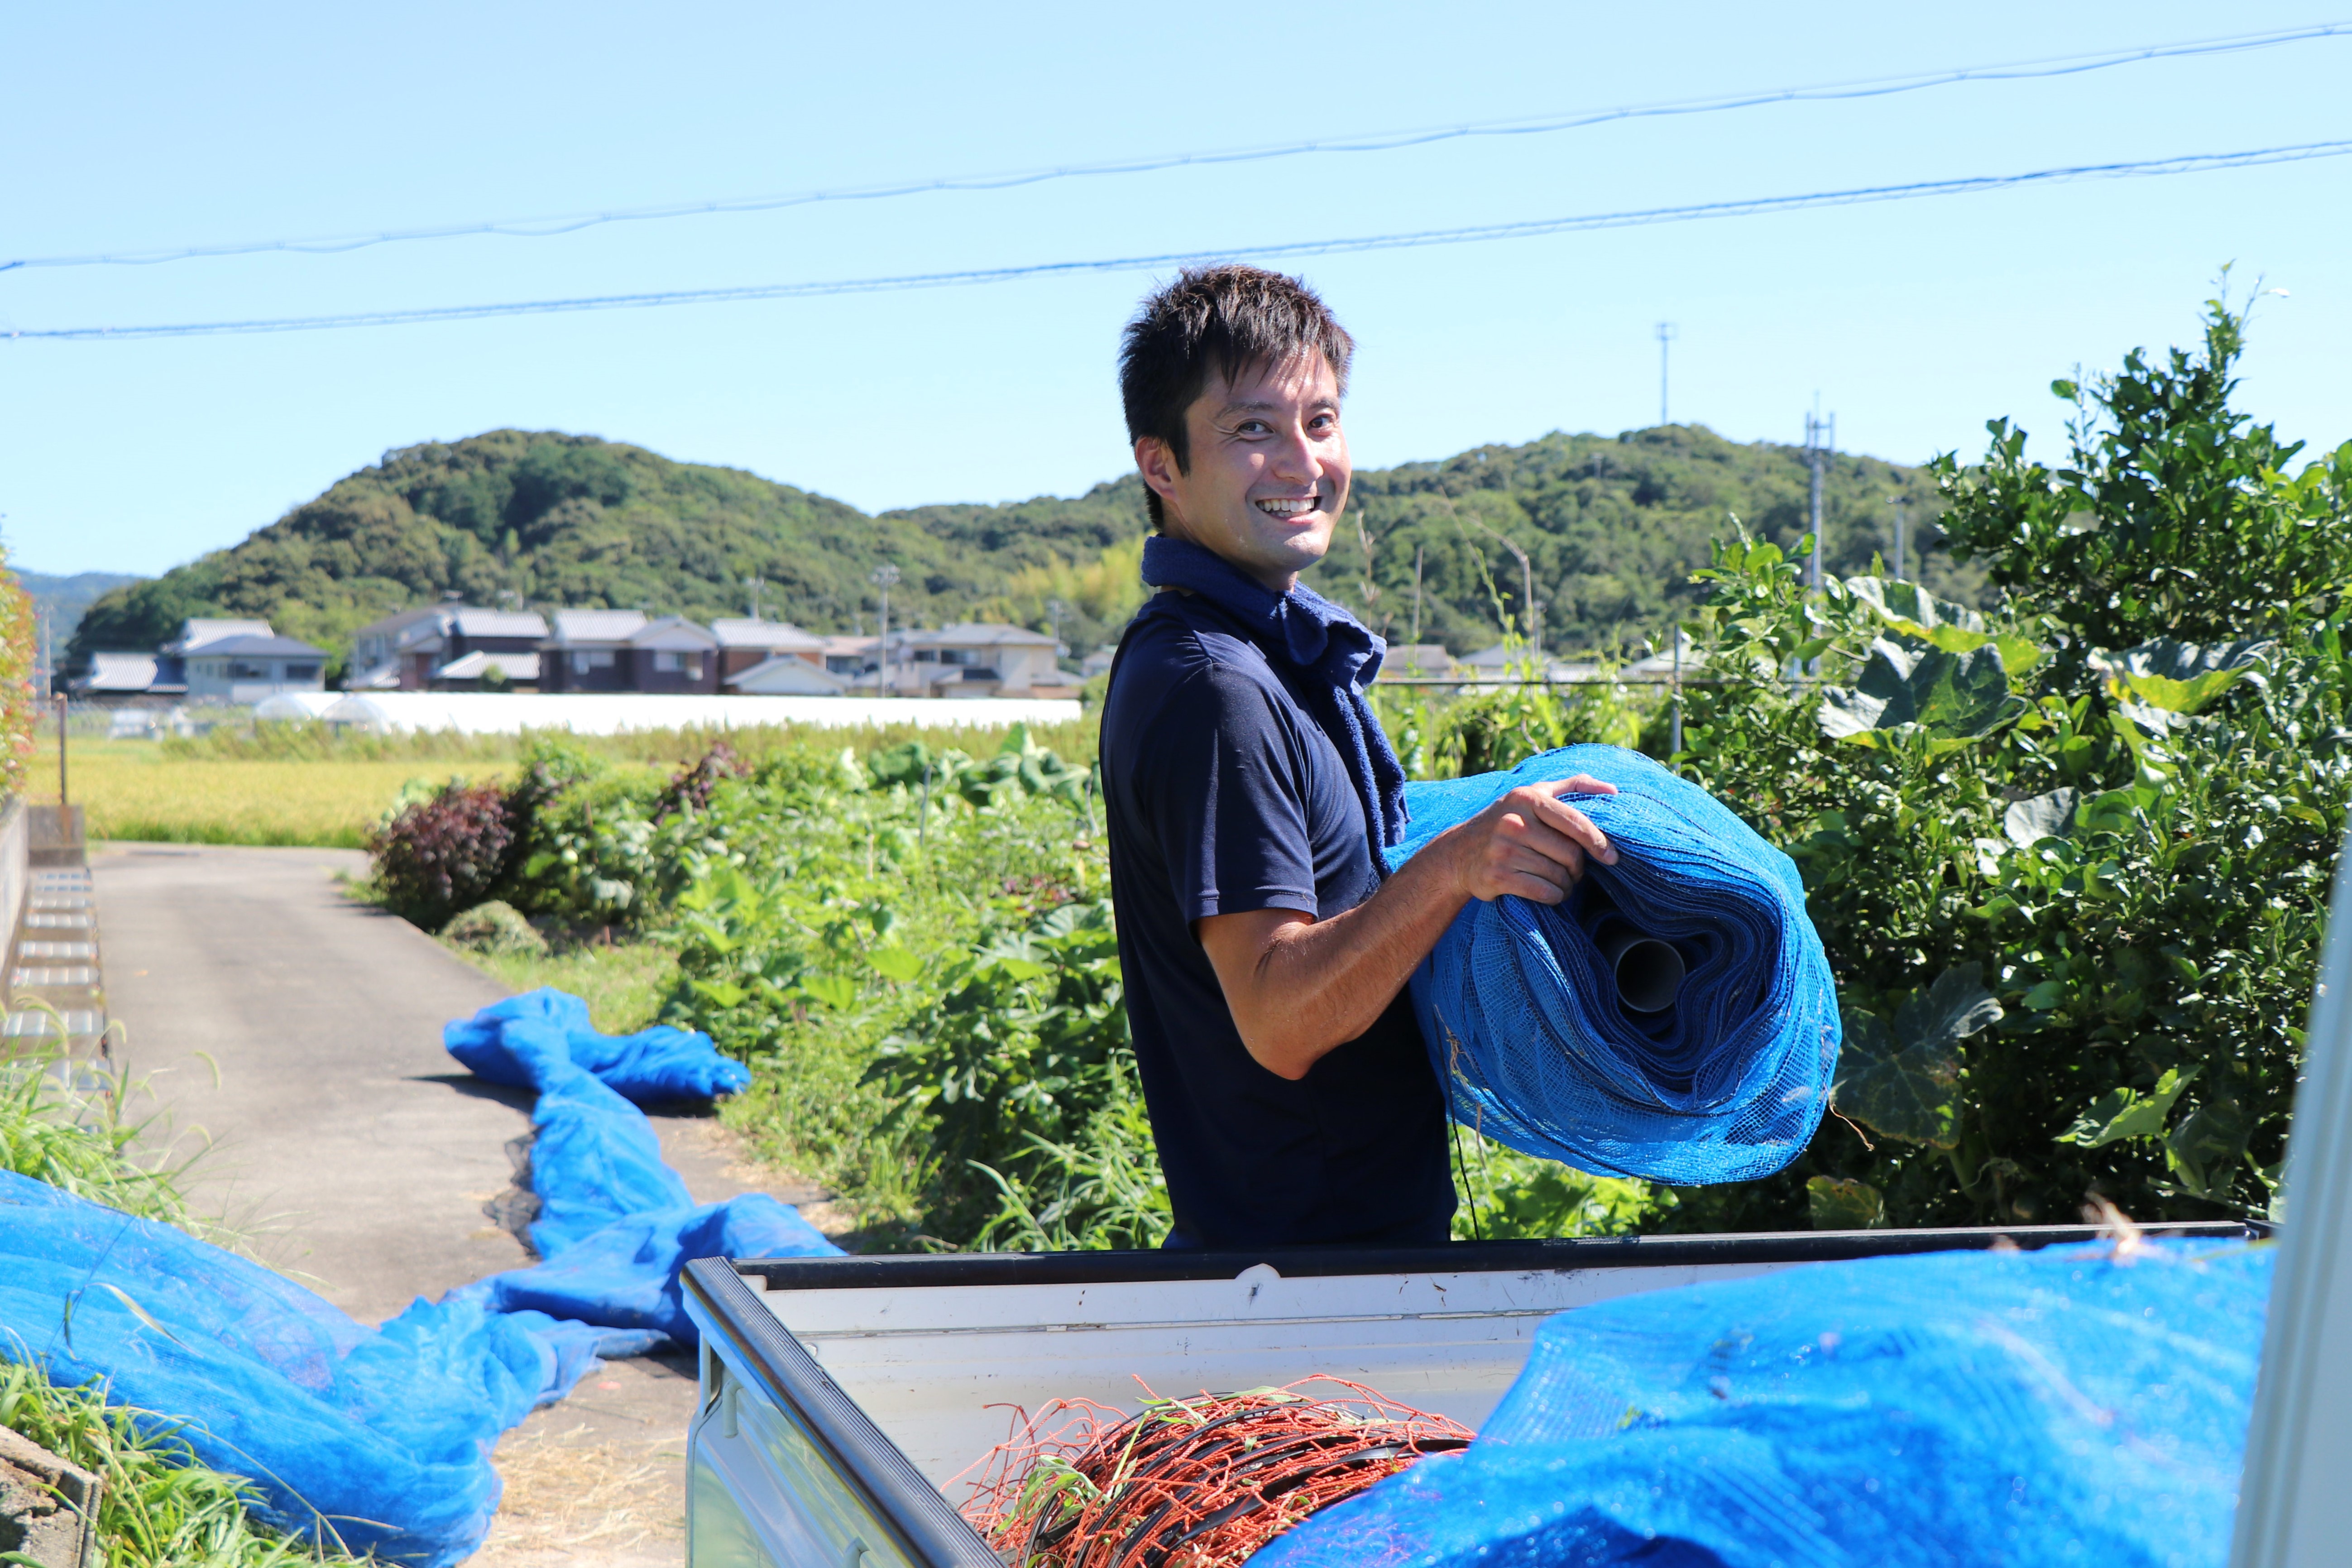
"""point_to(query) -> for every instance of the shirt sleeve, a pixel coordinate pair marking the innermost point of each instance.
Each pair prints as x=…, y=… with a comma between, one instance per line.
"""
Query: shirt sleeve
x=1223, y=792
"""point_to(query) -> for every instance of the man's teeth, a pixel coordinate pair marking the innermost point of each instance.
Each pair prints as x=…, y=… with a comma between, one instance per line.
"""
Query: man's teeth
x=1289, y=508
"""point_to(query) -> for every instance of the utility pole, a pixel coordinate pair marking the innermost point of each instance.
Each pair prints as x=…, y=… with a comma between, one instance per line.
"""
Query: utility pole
x=1820, y=440
x=1675, y=742
x=1898, y=540
x=755, y=585
x=1526, y=593
x=1668, y=334
x=883, y=576
x=1416, y=592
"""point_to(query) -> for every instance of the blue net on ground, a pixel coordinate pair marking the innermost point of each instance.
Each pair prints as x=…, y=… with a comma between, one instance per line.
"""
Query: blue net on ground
x=1960, y=1408
x=379, y=1438
x=521, y=1041
x=375, y=1438
x=1520, y=1004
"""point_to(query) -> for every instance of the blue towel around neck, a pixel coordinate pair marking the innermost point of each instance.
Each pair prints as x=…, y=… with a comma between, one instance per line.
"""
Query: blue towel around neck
x=1328, y=649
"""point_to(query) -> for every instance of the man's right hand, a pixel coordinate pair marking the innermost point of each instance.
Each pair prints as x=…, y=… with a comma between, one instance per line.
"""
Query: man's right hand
x=1531, y=843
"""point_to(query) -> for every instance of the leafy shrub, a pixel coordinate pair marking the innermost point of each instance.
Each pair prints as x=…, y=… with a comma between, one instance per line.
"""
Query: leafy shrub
x=2072, y=893
x=1021, y=1046
x=2174, y=518
x=20, y=701
x=493, y=927
x=445, y=854
x=691, y=790
x=2071, y=871
x=1505, y=1193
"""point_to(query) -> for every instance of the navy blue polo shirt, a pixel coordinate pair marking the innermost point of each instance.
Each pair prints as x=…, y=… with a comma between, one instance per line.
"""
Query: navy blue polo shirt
x=1224, y=796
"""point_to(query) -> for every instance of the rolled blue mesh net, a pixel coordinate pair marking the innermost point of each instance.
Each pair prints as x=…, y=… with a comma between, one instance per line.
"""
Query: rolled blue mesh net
x=1983, y=1408
x=1675, y=1020
x=378, y=1439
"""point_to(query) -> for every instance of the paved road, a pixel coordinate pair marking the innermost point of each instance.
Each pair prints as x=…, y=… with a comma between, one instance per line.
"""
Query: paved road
x=359, y=1155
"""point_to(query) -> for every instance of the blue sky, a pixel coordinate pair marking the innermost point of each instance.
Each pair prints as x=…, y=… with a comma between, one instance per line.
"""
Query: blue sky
x=143, y=126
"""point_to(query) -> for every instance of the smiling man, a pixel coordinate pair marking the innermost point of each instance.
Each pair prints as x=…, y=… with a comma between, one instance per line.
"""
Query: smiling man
x=1249, y=791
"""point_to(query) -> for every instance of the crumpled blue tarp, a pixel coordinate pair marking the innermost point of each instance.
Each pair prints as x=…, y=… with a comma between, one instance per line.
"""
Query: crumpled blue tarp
x=1988, y=1408
x=1521, y=1013
x=519, y=1043
x=265, y=1378
x=380, y=1438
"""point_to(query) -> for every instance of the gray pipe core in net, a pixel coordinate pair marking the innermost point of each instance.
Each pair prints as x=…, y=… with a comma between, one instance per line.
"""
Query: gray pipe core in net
x=1649, y=973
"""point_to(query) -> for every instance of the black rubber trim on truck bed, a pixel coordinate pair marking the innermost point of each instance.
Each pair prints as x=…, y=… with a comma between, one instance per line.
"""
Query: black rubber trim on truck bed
x=930, y=1532
x=1460, y=1258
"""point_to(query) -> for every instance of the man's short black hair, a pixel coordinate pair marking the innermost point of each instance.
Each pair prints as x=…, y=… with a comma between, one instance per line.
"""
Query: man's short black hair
x=1228, y=320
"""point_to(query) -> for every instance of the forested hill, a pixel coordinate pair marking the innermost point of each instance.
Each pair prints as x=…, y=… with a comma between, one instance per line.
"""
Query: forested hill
x=1612, y=526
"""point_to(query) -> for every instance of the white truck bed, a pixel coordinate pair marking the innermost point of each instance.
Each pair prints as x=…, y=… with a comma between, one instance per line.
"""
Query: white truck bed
x=842, y=1397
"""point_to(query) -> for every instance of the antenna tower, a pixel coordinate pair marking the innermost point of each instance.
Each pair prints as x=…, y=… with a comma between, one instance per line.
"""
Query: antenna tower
x=1668, y=334
x=1820, y=440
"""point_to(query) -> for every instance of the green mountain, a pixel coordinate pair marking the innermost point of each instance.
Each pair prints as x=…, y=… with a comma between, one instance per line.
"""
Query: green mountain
x=1612, y=526
x=60, y=601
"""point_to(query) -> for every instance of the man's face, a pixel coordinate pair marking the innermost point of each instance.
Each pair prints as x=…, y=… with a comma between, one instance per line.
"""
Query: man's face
x=1269, y=470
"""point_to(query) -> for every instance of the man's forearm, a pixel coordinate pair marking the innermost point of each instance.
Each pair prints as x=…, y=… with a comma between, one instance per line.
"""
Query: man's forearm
x=1317, y=984
x=1299, y=987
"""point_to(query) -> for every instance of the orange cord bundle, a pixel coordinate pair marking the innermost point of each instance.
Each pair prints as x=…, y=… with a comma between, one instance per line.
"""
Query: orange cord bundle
x=1189, y=1483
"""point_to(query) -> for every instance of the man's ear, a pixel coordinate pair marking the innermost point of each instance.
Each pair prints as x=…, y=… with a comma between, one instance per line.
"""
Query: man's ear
x=1156, y=463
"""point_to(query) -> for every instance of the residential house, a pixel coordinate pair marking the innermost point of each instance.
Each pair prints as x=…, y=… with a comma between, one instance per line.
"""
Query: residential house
x=623, y=650
x=377, y=649
x=165, y=675
x=1416, y=662
x=788, y=675
x=447, y=647
x=975, y=658
x=850, y=657
x=478, y=648
x=1506, y=664
x=745, y=643
x=249, y=667
x=124, y=680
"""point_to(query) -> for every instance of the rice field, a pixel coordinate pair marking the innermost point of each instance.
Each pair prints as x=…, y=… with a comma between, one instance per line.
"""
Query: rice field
x=136, y=790
x=304, y=784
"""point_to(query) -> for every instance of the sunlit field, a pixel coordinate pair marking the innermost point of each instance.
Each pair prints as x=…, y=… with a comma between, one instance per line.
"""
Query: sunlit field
x=134, y=790
x=303, y=784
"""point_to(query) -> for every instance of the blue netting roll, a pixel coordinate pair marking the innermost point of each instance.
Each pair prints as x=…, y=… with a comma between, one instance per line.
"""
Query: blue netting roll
x=2062, y=1406
x=1520, y=1008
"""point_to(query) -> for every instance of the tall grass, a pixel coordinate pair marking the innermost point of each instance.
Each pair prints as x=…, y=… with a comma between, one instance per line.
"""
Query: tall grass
x=80, y=1142
x=624, y=982
x=160, y=1507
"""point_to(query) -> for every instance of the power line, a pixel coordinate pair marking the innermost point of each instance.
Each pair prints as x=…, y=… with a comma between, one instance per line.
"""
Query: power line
x=1372, y=141
x=2142, y=169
